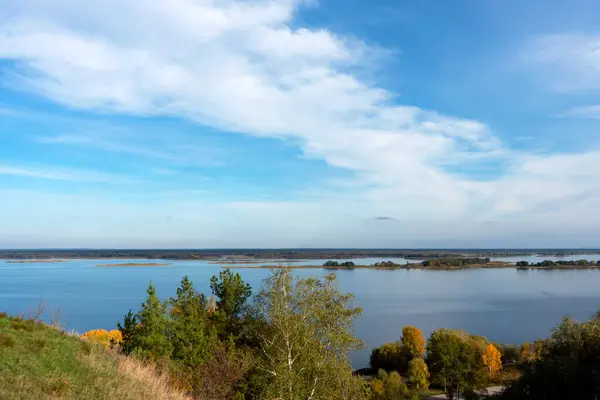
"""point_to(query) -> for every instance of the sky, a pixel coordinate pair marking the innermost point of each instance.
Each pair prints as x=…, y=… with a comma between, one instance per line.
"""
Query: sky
x=299, y=123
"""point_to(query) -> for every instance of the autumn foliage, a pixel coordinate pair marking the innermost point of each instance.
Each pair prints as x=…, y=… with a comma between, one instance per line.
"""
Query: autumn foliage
x=103, y=336
x=492, y=359
x=413, y=339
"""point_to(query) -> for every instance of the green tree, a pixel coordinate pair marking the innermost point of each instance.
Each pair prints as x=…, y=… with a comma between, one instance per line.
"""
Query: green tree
x=377, y=388
x=418, y=374
x=129, y=333
x=231, y=291
x=390, y=357
x=388, y=386
x=454, y=361
x=191, y=337
x=413, y=339
x=152, y=327
x=567, y=365
x=232, y=295
x=395, y=389
x=307, y=336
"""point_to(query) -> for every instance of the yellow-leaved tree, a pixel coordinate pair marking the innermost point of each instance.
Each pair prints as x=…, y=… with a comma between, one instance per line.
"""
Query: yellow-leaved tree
x=492, y=359
x=413, y=339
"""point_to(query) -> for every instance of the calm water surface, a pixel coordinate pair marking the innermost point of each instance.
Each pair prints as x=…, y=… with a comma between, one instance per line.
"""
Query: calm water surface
x=506, y=305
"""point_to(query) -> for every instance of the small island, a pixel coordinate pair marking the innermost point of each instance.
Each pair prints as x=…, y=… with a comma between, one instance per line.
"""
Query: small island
x=133, y=265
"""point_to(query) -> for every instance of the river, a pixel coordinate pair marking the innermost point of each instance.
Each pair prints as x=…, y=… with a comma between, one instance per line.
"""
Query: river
x=506, y=305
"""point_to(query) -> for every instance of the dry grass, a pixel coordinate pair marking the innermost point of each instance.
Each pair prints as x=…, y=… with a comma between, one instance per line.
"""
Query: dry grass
x=156, y=383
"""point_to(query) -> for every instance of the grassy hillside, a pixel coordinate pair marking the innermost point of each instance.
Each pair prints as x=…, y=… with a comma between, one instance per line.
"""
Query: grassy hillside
x=40, y=362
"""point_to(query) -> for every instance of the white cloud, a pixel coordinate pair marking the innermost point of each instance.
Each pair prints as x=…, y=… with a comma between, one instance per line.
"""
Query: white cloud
x=243, y=66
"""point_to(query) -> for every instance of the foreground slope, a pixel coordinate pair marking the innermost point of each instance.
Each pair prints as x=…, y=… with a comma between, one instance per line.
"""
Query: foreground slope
x=39, y=362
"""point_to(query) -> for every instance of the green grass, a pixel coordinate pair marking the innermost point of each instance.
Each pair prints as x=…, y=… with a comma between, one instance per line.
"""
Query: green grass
x=40, y=362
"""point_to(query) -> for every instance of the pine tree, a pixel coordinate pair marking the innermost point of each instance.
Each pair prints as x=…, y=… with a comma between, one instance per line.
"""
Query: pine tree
x=152, y=328
x=129, y=332
x=191, y=338
x=232, y=293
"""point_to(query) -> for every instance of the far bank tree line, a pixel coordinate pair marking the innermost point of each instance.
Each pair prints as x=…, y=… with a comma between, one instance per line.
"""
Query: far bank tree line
x=438, y=263
x=290, y=341
x=465, y=262
x=560, y=263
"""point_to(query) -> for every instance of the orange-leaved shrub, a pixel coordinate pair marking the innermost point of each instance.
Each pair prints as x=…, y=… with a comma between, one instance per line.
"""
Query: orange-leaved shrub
x=103, y=336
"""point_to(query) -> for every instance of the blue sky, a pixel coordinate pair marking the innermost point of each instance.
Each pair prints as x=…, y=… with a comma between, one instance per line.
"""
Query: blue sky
x=291, y=123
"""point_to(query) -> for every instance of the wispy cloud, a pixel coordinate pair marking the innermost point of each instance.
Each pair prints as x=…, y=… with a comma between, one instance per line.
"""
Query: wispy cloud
x=100, y=142
x=583, y=112
x=566, y=62
x=171, y=149
x=9, y=112
x=61, y=174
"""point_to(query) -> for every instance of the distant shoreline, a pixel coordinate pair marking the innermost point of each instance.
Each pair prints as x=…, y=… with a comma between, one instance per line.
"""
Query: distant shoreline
x=34, y=261
x=404, y=266
x=415, y=266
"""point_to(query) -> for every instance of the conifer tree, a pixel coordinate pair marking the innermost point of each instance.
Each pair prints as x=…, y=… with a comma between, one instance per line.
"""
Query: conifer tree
x=152, y=327
x=191, y=337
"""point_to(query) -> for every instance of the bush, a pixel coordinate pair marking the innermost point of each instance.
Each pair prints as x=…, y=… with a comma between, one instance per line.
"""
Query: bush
x=104, y=337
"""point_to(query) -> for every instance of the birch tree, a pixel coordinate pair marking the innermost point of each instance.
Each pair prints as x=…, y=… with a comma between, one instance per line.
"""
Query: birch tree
x=307, y=335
